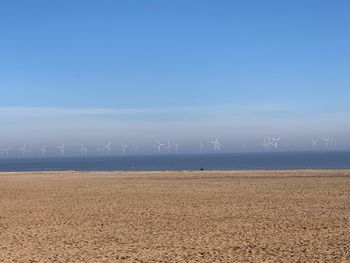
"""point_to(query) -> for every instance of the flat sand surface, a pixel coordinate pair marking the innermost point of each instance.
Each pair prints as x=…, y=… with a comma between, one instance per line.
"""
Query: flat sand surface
x=240, y=216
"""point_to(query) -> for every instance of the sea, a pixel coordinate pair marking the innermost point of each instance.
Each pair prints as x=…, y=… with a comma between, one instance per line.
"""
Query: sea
x=178, y=162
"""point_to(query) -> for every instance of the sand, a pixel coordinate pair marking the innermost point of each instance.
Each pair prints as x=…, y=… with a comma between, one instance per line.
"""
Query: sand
x=250, y=216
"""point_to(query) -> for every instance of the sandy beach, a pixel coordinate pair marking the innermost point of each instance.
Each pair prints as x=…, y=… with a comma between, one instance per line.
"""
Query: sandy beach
x=230, y=216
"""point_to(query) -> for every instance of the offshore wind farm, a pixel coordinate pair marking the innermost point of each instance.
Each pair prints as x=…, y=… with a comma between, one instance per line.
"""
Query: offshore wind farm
x=269, y=144
x=168, y=156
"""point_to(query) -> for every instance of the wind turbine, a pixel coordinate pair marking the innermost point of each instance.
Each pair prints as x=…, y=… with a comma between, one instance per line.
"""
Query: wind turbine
x=135, y=148
x=266, y=144
x=314, y=143
x=326, y=141
x=217, y=144
x=62, y=149
x=29, y=151
x=6, y=152
x=169, y=146
x=176, y=147
x=159, y=146
x=269, y=143
x=43, y=150
x=124, y=147
x=83, y=150
x=275, y=142
x=23, y=150
x=99, y=148
x=108, y=147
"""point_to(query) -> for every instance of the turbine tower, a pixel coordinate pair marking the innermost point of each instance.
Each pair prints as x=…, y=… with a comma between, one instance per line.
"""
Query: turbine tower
x=169, y=146
x=159, y=146
x=108, y=147
x=29, y=151
x=6, y=152
x=266, y=144
x=43, y=150
x=99, y=148
x=275, y=142
x=83, y=150
x=61, y=149
x=326, y=142
x=176, y=147
x=314, y=143
x=217, y=144
x=135, y=148
x=124, y=147
x=269, y=143
x=23, y=150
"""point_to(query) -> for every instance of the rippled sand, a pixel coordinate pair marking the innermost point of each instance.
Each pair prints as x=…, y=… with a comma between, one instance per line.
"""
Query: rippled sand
x=286, y=216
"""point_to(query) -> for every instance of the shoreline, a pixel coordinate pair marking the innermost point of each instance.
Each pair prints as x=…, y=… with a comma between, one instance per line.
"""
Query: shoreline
x=260, y=172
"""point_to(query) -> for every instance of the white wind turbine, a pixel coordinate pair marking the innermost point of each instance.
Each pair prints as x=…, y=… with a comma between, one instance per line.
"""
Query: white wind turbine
x=99, y=148
x=275, y=142
x=61, y=149
x=154, y=147
x=314, y=143
x=169, y=146
x=43, y=150
x=217, y=144
x=124, y=147
x=6, y=152
x=270, y=143
x=266, y=144
x=23, y=150
x=159, y=146
x=83, y=150
x=135, y=148
x=176, y=147
x=326, y=142
x=29, y=151
x=108, y=147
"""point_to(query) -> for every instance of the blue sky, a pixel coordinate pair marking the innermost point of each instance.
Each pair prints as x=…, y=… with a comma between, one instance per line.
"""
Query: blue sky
x=182, y=70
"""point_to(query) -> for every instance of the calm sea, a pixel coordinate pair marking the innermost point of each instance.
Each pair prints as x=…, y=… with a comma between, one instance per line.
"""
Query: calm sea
x=234, y=161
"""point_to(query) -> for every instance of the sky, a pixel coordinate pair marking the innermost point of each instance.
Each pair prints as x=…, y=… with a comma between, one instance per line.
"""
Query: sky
x=188, y=71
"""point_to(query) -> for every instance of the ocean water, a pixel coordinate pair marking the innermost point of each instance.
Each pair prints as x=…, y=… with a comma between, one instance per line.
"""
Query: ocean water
x=234, y=161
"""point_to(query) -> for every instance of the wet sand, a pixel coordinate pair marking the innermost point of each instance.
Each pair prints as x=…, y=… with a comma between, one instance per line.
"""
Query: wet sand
x=241, y=216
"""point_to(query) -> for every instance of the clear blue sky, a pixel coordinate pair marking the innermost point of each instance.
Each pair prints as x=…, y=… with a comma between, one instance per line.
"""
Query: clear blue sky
x=179, y=60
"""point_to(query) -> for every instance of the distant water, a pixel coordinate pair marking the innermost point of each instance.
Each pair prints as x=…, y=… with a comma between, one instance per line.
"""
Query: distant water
x=235, y=161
